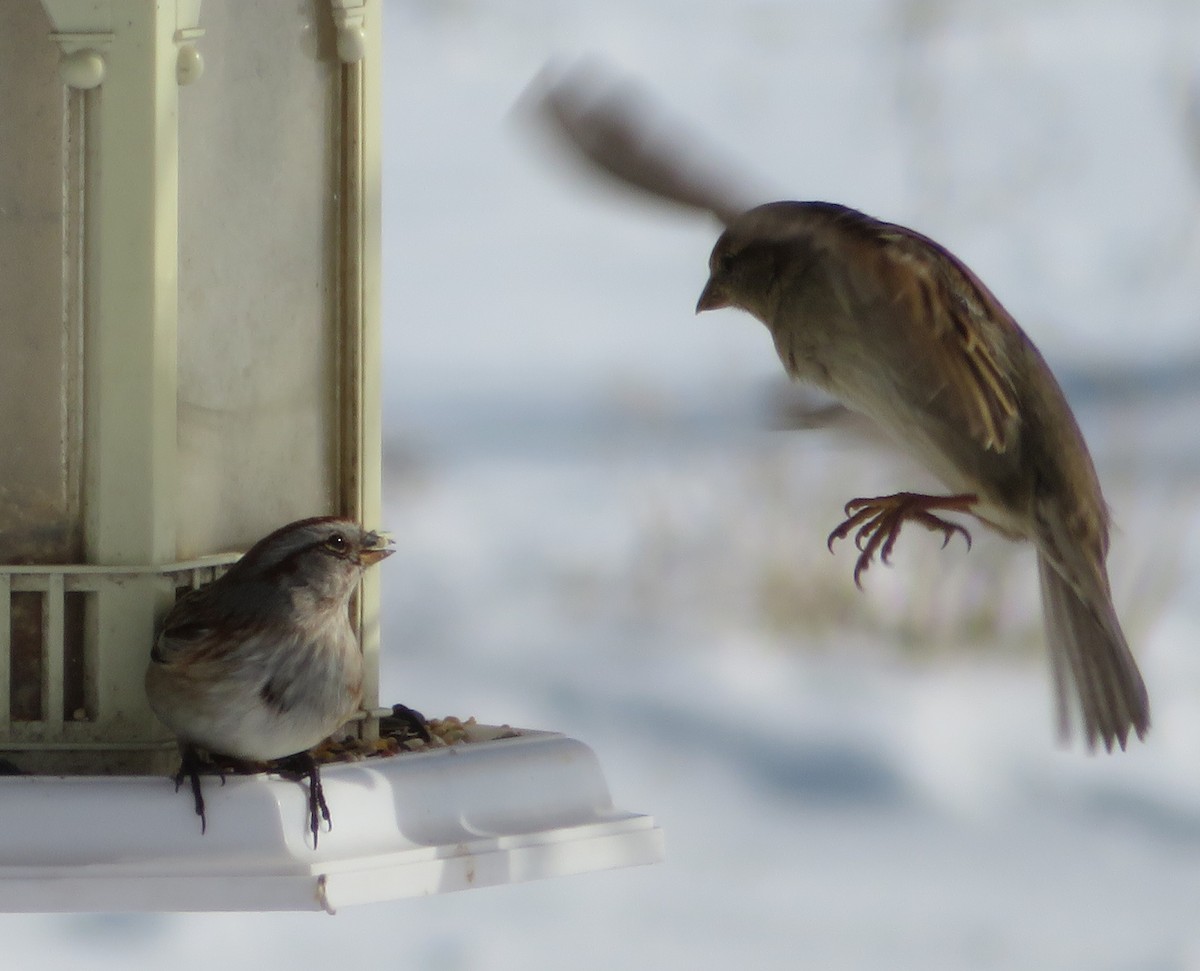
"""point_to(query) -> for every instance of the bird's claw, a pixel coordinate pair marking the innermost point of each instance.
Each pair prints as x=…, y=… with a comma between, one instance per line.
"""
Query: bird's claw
x=304, y=766
x=876, y=523
x=189, y=769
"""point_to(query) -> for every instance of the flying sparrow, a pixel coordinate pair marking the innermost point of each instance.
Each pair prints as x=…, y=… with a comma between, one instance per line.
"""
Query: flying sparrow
x=262, y=664
x=896, y=327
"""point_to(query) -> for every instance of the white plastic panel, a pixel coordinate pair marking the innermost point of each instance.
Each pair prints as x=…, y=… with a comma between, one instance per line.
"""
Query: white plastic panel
x=485, y=813
x=257, y=274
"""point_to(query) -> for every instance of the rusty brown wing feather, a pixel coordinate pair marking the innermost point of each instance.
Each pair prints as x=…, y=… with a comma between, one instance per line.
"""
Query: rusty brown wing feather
x=188, y=631
x=970, y=325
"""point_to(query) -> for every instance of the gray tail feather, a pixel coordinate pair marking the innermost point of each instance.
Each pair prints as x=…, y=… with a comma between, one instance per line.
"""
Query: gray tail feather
x=1088, y=652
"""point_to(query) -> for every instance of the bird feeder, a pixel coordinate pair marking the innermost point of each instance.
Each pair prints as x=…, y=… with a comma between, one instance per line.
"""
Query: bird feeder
x=189, y=298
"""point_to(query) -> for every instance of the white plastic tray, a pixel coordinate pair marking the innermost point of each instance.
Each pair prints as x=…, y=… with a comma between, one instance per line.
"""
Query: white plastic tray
x=471, y=815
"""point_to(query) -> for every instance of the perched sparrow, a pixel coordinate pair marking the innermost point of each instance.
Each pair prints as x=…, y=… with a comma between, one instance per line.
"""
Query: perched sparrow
x=262, y=663
x=896, y=327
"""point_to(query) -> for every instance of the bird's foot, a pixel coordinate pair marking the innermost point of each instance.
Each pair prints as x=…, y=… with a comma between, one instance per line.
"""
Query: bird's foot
x=193, y=762
x=304, y=766
x=189, y=768
x=876, y=523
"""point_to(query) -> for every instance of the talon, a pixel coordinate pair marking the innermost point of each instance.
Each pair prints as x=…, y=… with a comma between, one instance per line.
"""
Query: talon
x=189, y=768
x=844, y=529
x=859, y=569
x=878, y=522
x=948, y=530
x=304, y=766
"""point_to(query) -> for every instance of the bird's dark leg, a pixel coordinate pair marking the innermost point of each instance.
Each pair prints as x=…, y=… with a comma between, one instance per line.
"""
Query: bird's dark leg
x=189, y=768
x=304, y=766
x=878, y=523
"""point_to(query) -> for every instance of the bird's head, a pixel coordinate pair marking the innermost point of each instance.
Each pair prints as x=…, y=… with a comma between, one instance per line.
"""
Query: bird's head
x=765, y=250
x=326, y=554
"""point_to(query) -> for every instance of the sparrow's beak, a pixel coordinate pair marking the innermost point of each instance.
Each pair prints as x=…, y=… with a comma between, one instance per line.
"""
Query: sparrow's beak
x=714, y=297
x=377, y=550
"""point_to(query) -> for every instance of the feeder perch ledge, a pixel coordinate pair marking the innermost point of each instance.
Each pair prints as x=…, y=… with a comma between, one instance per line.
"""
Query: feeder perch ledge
x=496, y=810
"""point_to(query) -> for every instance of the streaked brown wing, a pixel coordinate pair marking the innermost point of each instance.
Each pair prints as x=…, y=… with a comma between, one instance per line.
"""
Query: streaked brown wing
x=185, y=629
x=969, y=322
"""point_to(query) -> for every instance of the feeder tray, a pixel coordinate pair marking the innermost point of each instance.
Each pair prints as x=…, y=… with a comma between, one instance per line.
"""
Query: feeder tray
x=509, y=806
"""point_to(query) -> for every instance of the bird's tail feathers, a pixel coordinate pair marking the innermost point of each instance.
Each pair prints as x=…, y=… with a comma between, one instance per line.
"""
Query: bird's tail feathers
x=1088, y=653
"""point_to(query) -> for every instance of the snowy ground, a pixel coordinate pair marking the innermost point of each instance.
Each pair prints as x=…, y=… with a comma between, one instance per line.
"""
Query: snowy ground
x=599, y=533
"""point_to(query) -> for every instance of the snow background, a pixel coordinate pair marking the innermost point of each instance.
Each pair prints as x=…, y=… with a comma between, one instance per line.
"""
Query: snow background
x=601, y=533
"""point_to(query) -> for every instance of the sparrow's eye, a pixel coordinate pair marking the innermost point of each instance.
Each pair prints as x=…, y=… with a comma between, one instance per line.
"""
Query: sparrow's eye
x=725, y=261
x=337, y=543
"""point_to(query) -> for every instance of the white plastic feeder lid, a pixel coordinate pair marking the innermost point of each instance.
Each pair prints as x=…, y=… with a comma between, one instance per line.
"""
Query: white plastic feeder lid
x=470, y=815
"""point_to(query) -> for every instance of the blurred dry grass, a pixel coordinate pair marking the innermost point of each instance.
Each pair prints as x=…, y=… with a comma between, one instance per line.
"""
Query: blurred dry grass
x=737, y=542
x=756, y=556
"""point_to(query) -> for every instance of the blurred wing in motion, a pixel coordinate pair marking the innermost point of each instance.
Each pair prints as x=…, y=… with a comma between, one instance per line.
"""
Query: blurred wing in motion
x=615, y=126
